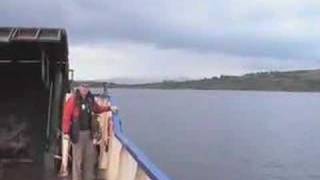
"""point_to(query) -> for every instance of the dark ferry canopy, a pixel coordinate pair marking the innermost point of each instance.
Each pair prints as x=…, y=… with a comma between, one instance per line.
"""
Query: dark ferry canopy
x=33, y=43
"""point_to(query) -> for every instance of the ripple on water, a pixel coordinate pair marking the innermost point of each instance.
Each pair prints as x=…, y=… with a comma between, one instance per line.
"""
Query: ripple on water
x=274, y=170
x=313, y=176
x=273, y=165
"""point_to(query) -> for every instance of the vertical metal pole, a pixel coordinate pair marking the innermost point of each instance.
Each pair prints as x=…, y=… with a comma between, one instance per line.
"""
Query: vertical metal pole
x=105, y=89
x=43, y=67
x=49, y=112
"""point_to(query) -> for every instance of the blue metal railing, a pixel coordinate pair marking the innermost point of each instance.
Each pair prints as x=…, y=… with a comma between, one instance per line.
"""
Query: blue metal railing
x=143, y=161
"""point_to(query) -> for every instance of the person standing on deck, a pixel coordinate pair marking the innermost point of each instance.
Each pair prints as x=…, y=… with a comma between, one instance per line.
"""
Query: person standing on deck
x=83, y=129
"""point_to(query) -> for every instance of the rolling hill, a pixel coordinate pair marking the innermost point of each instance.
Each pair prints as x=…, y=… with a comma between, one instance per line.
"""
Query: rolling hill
x=304, y=80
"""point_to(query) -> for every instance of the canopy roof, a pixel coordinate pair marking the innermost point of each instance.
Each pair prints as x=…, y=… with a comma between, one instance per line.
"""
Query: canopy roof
x=29, y=43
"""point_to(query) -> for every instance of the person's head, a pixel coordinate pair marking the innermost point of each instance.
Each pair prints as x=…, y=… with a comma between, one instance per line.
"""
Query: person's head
x=84, y=89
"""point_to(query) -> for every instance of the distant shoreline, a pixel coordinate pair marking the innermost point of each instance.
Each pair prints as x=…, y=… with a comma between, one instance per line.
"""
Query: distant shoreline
x=288, y=81
x=251, y=90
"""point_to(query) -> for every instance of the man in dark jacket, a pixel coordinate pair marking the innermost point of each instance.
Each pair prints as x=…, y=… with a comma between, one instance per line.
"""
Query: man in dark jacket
x=79, y=124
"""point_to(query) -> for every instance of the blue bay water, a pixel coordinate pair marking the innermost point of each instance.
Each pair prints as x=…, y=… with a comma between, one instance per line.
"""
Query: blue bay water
x=225, y=135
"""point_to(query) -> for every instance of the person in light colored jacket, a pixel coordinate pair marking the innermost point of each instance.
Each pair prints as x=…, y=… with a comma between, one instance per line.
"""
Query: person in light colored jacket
x=105, y=120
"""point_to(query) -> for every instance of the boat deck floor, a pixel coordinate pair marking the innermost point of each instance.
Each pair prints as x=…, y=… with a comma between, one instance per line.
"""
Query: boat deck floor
x=18, y=171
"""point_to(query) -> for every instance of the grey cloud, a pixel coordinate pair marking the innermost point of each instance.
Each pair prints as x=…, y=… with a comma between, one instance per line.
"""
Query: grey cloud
x=31, y=13
x=171, y=25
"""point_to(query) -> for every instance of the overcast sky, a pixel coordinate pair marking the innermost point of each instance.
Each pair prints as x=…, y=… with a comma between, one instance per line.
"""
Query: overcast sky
x=167, y=39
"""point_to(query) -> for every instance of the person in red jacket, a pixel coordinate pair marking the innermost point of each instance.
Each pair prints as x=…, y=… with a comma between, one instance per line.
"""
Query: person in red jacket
x=80, y=125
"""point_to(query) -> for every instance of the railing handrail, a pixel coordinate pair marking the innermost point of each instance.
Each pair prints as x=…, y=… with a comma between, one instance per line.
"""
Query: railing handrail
x=143, y=161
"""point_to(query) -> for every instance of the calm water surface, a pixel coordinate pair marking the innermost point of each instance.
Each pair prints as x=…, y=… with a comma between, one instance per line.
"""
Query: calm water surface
x=225, y=135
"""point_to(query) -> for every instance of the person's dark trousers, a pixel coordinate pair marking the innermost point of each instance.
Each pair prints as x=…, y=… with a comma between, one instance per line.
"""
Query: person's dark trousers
x=84, y=157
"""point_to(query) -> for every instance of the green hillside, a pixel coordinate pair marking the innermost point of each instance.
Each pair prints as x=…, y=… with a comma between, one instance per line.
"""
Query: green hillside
x=307, y=80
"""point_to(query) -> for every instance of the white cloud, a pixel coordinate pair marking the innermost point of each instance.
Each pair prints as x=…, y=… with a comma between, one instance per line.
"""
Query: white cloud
x=148, y=63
